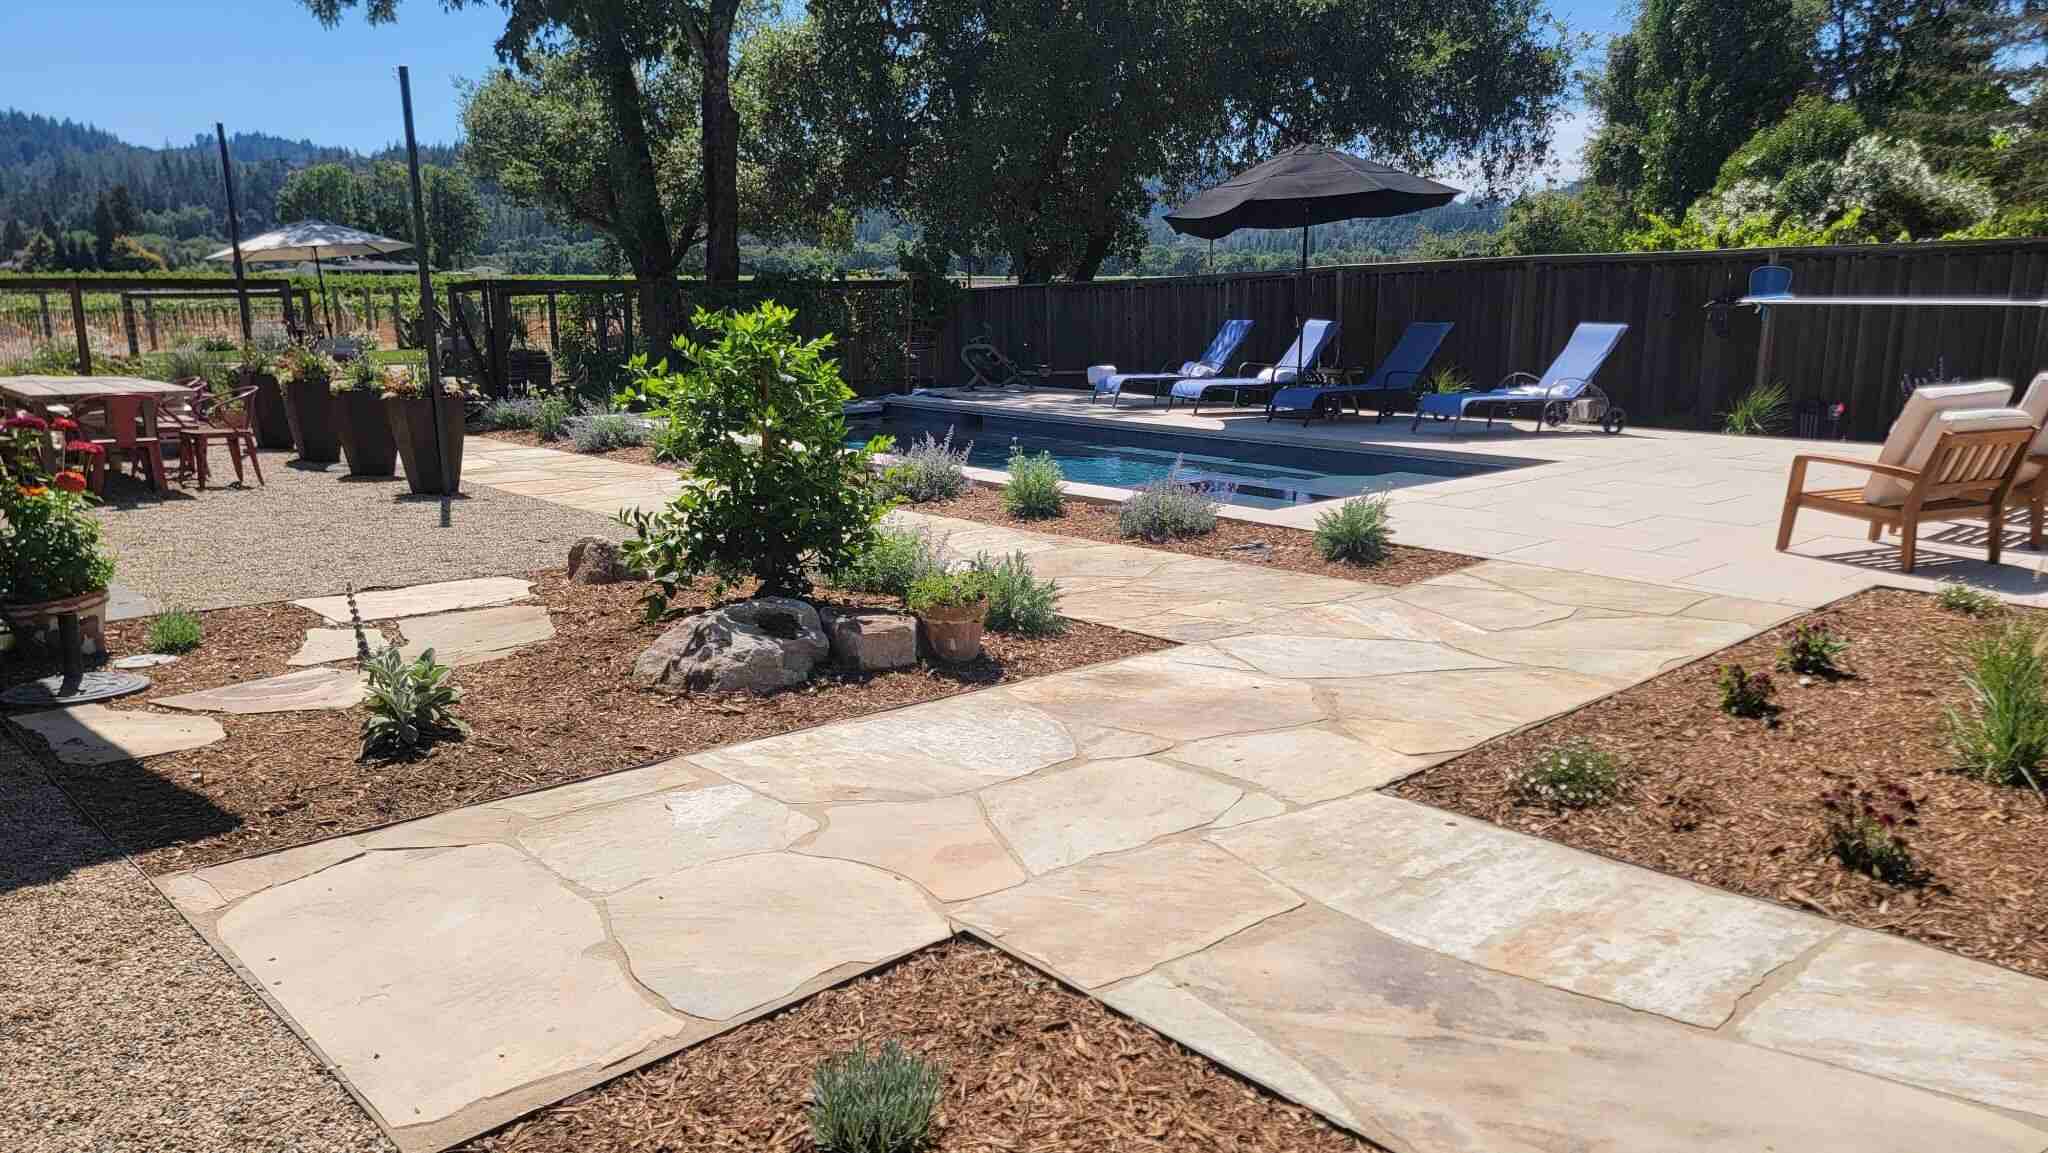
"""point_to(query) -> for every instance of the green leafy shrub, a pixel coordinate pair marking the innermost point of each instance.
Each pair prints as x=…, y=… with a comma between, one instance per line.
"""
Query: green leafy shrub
x=946, y=590
x=515, y=412
x=49, y=545
x=1573, y=775
x=186, y=362
x=774, y=492
x=1957, y=597
x=1812, y=651
x=2003, y=733
x=302, y=364
x=1449, y=378
x=361, y=374
x=1018, y=602
x=873, y=1103
x=1746, y=694
x=177, y=631
x=1866, y=831
x=1758, y=412
x=551, y=416
x=1170, y=507
x=1037, y=487
x=411, y=704
x=893, y=562
x=930, y=469
x=605, y=431
x=1356, y=531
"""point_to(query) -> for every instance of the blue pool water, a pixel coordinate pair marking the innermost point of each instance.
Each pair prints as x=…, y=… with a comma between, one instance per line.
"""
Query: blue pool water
x=1256, y=474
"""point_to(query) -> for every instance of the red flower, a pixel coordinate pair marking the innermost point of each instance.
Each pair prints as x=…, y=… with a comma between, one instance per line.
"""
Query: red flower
x=85, y=448
x=24, y=420
x=70, y=480
x=64, y=424
x=31, y=490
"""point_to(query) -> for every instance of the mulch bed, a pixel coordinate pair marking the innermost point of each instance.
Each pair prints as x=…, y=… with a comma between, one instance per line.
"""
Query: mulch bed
x=1736, y=803
x=1286, y=548
x=1029, y=1065
x=633, y=454
x=554, y=712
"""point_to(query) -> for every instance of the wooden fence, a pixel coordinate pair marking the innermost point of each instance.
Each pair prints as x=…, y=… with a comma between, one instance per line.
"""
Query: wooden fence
x=1679, y=367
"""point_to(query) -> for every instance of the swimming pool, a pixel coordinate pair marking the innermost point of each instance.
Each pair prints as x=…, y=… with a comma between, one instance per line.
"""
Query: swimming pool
x=1251, y=473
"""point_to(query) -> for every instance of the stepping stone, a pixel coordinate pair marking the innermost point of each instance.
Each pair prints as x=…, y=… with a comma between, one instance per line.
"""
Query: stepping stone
x=238, y=879
x=602, y=790
x=1172, y=699
x=303, y=691
x=1253, y=807
x=1303, y=765
x=470, y=638
x=1055, y=819
x=1453, y=710
x=323, y=646
x=1296, y=657
x=420, y=600
x=942, y=844
x=1488, y=607
x=1615, y=648
x=719, y=939
x=606, y=849
x=144, y=661
x=98, y=735
x=1564, y=587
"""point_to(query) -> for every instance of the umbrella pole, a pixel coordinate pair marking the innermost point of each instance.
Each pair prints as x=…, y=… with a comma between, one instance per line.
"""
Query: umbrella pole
x=326, y=310
x=1300, y=275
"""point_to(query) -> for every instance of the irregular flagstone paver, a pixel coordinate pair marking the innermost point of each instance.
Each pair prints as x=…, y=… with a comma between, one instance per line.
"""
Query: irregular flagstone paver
x=1191, y=1021
x=1173, y=699
x=305, y=690
x=1174, y=627
x=98, y=735
x=419, y=600
x=1623, y=648
x=438, y=978
x=1481, y=606
x=323, y=646
x=471, y=826
x=718, y=939
x=1101, y=744
x=1584, y=590
x=1298, y=657
x=1122, y=562
x=608, y=848
x=1529, y=907
x=942, y=844
x=1104, y=920
x=1759, y=614
x=1055, y=819
x=1915, y=1014
x=1382, y=617
x=1303, y=765
x=1250, y=807
x=952, y=746
x=1450, y=711
x=655, y=778
x=478, y=635
x=237, y=879
x=1437, y=1056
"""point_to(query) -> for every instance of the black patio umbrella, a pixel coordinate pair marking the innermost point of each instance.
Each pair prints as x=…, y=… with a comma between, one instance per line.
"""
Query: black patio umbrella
x=1305, y=185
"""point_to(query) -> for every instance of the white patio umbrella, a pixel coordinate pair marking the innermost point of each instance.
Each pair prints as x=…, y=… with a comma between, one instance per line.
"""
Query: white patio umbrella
x=312, y=240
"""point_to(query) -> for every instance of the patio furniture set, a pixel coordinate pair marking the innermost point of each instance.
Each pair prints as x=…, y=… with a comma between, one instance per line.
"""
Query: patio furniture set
x=98, y=421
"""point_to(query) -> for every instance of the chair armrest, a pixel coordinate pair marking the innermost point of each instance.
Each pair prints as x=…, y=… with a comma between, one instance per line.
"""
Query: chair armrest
x=1893, y=470
x=1414, y=378
x=1510, y=378
x=1249, y=364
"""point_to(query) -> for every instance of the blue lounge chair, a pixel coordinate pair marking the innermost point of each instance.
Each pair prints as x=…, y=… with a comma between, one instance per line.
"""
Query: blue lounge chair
x=1213, y=359
x=1569, y=378
x=1297, y=363
x=1393, y=384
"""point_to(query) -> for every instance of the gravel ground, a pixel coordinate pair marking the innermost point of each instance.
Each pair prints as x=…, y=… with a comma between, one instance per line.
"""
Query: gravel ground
x=309, y=530
x=120, y=1029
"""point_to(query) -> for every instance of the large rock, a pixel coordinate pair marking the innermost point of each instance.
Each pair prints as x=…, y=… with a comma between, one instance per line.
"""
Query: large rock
x=596, y=561
x=871, y=640
x=753, y=646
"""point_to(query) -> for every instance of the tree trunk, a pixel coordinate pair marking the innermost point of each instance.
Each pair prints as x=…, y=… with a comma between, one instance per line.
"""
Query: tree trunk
x=649, y=246
x=721, y=143
x=1092, y=255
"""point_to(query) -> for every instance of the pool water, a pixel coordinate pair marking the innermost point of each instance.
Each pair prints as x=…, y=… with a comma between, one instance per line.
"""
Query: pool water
x=1250, y=473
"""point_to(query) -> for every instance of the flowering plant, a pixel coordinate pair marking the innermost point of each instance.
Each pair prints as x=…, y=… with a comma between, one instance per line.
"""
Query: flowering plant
x=402, y=383
x=49, y=543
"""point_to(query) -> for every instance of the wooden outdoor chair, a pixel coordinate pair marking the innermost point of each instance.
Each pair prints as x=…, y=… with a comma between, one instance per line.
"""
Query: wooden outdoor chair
x=1963, y=466
x=124, y=438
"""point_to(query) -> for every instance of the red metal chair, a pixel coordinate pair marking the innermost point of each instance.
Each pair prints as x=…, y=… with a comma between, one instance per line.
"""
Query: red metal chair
x=124, y=437
x=195, y=442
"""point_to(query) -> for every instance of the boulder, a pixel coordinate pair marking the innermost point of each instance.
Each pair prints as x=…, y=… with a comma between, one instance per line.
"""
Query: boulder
x=596, y=561
x=871, y=639
x=753, y=646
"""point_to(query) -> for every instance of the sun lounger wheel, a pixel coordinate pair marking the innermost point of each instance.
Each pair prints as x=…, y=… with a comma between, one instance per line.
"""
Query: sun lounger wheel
x=1614, y=421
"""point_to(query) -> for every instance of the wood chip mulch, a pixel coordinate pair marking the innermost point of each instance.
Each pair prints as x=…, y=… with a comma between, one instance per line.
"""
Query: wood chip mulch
x=1736, y=803
x=632, y=454
x=1286, y=548
x=547, y=714
x=1029, y=1065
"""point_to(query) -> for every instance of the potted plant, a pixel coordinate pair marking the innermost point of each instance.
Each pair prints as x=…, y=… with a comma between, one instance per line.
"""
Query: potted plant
x=951, y=607
x=428, y=468
x=266, y=408
x=360, y=419
x=51, y=560
x=309, y=406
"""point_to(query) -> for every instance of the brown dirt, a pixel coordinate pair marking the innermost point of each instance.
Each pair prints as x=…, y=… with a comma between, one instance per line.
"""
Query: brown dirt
x=635, y=454
x=1029, y=1065
x=1736, y=803
x=1292, y=548
x=547, y=714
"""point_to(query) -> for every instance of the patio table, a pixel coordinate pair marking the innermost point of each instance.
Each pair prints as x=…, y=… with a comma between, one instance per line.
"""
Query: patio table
x=38, y=393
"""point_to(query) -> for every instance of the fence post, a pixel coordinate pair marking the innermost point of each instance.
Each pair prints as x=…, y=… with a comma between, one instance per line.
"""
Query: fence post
x=78, y=327
x=149, y=320
x=552, y=342
x=626, y=323
x=43, y=299
x=397, y=315
x=1045, y=350
x=128, y=324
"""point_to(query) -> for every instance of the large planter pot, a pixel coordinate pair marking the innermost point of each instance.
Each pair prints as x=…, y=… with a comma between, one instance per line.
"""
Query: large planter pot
x=310, y=409
x=412, y=425
x=36, y=622
x=953, y=633
x=266, y=410
x=365, y=430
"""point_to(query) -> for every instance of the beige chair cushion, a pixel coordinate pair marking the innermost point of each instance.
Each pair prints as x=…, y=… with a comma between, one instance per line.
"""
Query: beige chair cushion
x=1913, y=420
x=2036, y=404
x=1949, y=420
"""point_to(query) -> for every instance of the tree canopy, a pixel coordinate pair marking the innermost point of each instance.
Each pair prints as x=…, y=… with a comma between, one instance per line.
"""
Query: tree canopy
x=379, y=199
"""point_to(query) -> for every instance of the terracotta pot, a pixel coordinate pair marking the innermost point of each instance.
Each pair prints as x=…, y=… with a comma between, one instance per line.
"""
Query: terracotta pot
x=412, y=425
x=36, y=621
x=266, y=410
x=310, y=409
x=365, y=430
x=953, y=632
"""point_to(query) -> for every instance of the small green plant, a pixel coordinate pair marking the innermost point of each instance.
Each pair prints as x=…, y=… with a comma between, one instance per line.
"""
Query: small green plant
x=1018, y=602
x=894, y=562
x=1757, y=412
x=1746, y=694
x=186, y=362
x=930, y=469
x=551, y=417
x=177, y=631
x=605, y=431
x=1866, y=831
x=1573, y=775
x=1171, y=507
x=2003, y=733
x=518, y=412
x=1356, y=531
x=1449, y=378
x=1957, y=597
x=873, y=1103
x=410, y=703
x=1037, y=487
x=302, y=364
x=362, y=374
x=939, y=591
x=1812, y=652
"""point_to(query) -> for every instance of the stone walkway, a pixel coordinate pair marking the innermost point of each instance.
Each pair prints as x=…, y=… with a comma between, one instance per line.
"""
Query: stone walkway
x=1192, y=835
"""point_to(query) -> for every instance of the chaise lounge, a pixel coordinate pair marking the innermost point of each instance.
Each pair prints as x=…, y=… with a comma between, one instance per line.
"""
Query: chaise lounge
x=1211, y=363
x=1552, y=395
x=1297, y=363
x=1392, y=385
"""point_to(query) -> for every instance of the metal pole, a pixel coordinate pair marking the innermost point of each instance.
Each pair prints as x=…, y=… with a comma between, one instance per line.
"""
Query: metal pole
x=227, y=175
x=326, y=309
x=425, y=262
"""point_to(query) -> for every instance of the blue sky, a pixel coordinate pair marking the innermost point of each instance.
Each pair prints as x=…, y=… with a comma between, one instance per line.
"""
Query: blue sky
x=156, y=70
